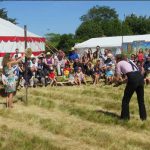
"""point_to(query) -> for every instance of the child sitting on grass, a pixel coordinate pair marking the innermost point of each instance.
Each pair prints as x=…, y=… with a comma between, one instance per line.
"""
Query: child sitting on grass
x=66, y=71
x=52, y=77
x=109, y=74
x=71, y=77
x=79, y=77
x=96, y=75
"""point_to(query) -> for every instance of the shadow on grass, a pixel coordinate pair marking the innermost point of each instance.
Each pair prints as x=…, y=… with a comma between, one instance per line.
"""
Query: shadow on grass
x=111, y=114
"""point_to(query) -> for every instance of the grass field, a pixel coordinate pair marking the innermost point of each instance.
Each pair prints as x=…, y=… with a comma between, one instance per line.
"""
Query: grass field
x=73, y=118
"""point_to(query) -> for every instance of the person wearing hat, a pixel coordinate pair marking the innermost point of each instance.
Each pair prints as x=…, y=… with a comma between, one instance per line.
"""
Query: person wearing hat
x=135, y=83
x=73, y=54
x=49, y=61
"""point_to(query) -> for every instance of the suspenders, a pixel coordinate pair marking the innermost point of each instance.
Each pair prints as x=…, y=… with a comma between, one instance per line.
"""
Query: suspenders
x=134, y=67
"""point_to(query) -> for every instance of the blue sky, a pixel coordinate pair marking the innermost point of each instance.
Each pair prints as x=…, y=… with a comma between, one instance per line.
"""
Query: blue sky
x=63, y=16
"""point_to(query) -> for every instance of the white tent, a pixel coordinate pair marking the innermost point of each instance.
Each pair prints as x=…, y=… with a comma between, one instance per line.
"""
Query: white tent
x=12, y=37
x=110, y=42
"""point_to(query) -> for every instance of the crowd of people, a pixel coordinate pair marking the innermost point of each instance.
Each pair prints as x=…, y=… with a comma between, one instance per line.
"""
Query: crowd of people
x=45, y=68
x=75, y=68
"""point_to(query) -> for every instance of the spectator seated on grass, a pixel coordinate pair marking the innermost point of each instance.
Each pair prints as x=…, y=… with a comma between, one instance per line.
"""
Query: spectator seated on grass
x=66, y=71
x=79, y=77
x=52, y=77
x=71, y=78
x=33, y=68
x=21, y=80
x=60, y=65
x=96, y=75
x=90, y=69
x=40, y=75
x=77, y=64
x=109, y=74
x=97, y=72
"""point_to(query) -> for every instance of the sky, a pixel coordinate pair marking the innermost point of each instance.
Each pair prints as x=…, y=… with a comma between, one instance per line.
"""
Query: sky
x=61, y=17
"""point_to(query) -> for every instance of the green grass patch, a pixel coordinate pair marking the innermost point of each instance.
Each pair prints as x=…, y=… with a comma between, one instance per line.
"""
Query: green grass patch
x=15, y=139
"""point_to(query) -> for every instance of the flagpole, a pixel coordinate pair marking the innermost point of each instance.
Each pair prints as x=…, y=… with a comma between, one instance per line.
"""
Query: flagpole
x=25, y=46
x=122, y=32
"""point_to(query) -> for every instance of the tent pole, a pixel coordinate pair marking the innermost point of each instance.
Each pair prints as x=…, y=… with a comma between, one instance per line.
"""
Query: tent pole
x=122, y=32
x=25, y=46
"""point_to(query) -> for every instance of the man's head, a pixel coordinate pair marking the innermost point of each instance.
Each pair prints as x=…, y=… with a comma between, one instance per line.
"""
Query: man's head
x=33, y=60
x=97, y=48
x=132, y=56
x=17, y=50
x=106, y=51
x=119, y=57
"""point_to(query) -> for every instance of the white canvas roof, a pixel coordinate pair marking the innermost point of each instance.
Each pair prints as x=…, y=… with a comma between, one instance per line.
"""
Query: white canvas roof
x=12, y=37
x=115, y=41
x=9, y=29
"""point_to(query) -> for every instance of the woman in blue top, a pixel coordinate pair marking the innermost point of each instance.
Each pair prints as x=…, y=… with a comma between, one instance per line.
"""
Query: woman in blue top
x=9, y=82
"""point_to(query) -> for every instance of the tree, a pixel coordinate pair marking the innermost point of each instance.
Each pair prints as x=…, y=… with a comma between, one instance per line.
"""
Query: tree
x=112, y=27
x=3, y=14
x=66, y=42
x=52, y=39
x=89, y=29
x=99, y=21
x=100, y=14
x=138, y=25
x=126, y=30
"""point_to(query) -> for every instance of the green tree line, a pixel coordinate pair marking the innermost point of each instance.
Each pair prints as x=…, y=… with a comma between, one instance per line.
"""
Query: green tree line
x=99, y=22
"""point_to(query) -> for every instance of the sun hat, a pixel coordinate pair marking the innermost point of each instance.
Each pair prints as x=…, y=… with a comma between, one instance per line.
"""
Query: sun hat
x=48, y=53
x=28, y=52
x=72, y=49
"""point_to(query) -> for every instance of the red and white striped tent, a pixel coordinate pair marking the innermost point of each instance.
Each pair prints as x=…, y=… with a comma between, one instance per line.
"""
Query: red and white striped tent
x=12, y=37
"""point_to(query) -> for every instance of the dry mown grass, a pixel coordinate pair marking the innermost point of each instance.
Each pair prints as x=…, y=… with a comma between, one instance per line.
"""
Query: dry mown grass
x=73, y=118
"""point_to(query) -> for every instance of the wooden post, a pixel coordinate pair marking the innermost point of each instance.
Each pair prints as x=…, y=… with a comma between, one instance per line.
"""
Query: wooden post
x=26, y=65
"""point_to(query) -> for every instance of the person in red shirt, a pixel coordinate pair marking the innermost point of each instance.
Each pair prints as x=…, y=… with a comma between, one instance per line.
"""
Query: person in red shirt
x=140, y=55
x=52, y=77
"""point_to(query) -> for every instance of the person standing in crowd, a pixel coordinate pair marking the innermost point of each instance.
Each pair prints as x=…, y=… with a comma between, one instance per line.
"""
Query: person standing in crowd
x=90, y=54
x=17, y=54
x=140, y=55
x=104, y=56
x=135, y=83
x=133, y=58
x=96, y=53
x=49, y=61
x=73, y=54
x=10, y=82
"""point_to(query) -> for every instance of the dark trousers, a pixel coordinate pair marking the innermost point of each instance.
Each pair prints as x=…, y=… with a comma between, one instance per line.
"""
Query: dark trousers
x=135, y=83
